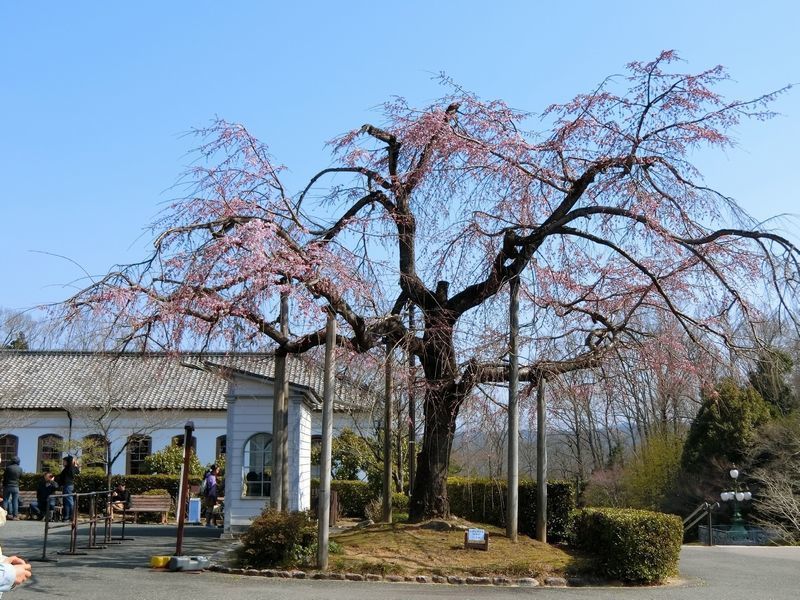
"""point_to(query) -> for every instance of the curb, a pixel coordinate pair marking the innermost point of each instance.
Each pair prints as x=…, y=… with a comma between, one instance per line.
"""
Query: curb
x=498, y=581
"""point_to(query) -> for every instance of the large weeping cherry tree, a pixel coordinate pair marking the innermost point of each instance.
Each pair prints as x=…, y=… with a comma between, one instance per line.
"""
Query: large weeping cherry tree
x=594, y=205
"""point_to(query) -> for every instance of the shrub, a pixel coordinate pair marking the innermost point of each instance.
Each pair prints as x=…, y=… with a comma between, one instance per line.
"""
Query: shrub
x=278, y=539
x=169, y=461
x=633, y=546
x=484, y=501
x=353, y=496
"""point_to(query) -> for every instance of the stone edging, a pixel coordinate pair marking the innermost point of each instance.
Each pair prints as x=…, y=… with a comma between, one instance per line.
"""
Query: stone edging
x=440, y=579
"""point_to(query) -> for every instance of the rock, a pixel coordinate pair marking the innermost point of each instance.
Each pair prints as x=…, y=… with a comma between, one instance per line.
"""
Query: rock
x=236, y=571
x=421, y=579
x=555, y=581
x=526, y=582
x=439, y=579
x=409, y=578
x=268, y=572
x=336, y=576
x=252, y=572
x=394, y=578
x=455, y=579
x=501, y=580
x=365, y=523
x=319, y=575
x=354, y=577
x=299, y=575
x=437, y=525
x=374, y=577
x=479, y=581
x=284, y=574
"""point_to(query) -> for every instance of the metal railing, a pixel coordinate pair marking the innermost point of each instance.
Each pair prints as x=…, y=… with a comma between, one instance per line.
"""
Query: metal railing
x=107, y=518
x=698, y=514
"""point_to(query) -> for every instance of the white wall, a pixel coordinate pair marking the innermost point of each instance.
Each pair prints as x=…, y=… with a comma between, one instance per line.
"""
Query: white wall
x=208, y=426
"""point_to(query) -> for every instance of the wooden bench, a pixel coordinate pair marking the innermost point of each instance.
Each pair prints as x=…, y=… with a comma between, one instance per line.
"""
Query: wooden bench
x=27, y=497
x=155, y=504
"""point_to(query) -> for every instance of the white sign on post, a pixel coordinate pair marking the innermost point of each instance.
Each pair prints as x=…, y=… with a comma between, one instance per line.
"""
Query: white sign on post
x=477, y=539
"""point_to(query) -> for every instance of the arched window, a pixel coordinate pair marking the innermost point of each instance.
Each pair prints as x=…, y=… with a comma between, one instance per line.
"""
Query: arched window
x=95, y=449
x=222, y=446
x=139, y=448
x=257, y=465
x=49, y=453
x=9, y=446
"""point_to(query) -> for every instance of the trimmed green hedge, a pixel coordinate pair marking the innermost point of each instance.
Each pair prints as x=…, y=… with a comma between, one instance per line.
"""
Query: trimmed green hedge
x=480, y=500
x=135, y=484
x=353, y=496
x=633, y=546
x=484, y=501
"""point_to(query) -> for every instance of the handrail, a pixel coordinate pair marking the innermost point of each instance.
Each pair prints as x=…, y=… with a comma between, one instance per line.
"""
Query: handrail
x=701, y=512
x=73, y=525
x=702, y=508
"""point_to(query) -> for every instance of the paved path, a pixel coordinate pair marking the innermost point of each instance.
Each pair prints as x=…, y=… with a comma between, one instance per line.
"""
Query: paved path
x=120, y=572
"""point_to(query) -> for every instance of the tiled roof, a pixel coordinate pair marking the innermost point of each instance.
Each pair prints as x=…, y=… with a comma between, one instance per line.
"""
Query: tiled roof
x=63, y=379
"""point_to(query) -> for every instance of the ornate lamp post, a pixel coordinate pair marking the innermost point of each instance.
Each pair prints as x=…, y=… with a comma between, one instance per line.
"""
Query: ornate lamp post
x=737, y=495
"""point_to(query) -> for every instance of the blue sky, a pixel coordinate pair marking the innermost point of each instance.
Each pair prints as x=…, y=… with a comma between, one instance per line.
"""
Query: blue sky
x=95, y=97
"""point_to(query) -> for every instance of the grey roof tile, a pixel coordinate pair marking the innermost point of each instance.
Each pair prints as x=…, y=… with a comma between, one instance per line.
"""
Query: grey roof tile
x=63, y=379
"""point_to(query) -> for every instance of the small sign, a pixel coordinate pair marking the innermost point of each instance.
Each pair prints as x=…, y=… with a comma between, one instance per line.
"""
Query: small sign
x=477, y=539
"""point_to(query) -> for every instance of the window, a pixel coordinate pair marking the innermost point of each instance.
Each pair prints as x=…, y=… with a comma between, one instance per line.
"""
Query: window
x=257, y=465
x=222, y=446
x=49, y=455
x=139, y=448
x=9, y=446
x=95, y=449
x=177, y=440
x=316, y=453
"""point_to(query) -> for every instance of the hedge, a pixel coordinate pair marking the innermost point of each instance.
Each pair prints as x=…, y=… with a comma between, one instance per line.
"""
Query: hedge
x=633, y=546
x=135, y=484
x=480, y=500
x=484, y=501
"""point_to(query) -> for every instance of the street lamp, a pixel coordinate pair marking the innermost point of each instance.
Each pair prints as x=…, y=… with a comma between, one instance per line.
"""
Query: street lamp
x=737, y=495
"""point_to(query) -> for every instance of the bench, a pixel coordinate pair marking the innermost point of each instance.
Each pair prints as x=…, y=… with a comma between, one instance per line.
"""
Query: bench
x=27, y=497
x=153, y=504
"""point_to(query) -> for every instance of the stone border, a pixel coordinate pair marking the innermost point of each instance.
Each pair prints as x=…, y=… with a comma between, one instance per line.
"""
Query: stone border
x=440, y=579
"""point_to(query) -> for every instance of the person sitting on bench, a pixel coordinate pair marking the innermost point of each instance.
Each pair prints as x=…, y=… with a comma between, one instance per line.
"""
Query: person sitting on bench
x=44, y=497
x=120, y=497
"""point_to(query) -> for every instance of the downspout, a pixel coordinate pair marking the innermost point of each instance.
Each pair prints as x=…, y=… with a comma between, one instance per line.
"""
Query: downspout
x=69, y=431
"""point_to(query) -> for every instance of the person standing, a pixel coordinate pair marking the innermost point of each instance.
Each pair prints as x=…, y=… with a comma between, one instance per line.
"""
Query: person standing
x=11, y=476
x=66, y=479
x=211, y=493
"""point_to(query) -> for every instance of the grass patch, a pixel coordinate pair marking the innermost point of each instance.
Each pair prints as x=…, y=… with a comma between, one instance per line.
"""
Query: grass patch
x=406, y=549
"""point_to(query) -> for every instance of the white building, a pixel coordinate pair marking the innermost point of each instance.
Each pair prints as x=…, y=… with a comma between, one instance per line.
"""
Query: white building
x=49, y=401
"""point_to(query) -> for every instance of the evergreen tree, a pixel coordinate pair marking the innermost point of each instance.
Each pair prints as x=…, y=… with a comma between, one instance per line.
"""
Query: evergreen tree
x=725, y=426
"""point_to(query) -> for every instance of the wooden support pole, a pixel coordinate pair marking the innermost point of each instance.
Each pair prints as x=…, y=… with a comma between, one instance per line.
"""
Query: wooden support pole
x=324, y=506
x=412, y=408
x=512, y=504
x=387, y=439
x=541, y=462
x=279, y=493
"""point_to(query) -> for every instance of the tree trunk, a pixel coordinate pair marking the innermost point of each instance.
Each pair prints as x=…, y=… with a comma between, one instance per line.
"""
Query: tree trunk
x=429, y=497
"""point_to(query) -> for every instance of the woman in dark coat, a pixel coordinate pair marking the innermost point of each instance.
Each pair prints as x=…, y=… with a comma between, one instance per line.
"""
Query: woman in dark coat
x=66, y=479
